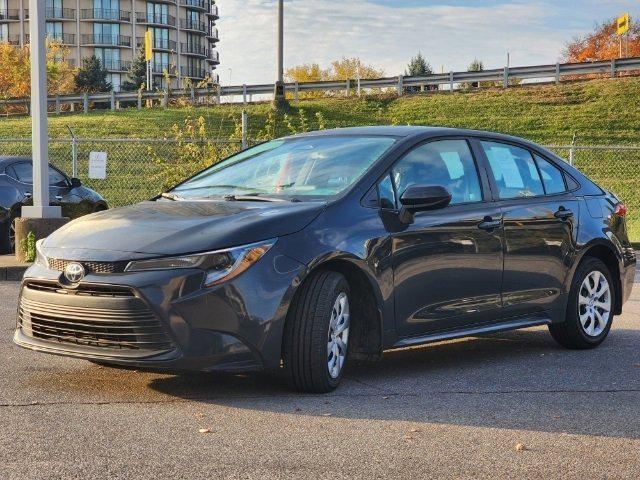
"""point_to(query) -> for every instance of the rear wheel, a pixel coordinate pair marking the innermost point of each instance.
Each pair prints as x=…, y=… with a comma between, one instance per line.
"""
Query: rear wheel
x=589, y=308
x=316, y=339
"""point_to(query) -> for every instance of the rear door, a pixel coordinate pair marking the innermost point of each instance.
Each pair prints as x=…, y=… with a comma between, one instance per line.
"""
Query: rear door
x=540, y=226
x=447, y=263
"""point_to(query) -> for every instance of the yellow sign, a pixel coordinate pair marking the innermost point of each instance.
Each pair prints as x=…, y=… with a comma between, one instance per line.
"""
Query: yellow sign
x=148, y=45
x=623, y=24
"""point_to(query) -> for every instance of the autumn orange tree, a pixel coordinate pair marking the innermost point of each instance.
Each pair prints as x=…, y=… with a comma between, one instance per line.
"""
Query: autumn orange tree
x=603, y=44
x=15, y=74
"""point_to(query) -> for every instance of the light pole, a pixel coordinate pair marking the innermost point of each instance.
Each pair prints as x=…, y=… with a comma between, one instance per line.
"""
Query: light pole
x=278, y=94
x=39, y=137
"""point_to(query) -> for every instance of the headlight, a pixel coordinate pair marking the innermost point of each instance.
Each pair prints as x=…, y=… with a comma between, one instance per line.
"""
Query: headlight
x=220, y=265
x=41, y=259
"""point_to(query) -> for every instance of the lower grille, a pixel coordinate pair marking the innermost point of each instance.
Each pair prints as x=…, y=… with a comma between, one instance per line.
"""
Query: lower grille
x=130, y=326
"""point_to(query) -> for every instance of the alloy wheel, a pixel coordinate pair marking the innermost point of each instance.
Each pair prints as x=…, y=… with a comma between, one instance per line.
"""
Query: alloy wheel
x=338, y=335
x=594, y=303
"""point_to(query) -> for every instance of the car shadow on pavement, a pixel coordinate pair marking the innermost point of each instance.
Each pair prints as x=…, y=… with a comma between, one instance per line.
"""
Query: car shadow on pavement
x=515, y=380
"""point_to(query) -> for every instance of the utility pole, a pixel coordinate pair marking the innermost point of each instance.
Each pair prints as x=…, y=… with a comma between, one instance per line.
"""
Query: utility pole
x=278, y=94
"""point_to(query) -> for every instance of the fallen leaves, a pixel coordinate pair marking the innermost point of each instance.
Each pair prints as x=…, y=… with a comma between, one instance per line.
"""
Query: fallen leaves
x=204, y=430
x=521, y=447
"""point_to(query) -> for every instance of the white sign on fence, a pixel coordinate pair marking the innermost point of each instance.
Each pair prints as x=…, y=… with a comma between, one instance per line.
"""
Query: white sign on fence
x=98, y=165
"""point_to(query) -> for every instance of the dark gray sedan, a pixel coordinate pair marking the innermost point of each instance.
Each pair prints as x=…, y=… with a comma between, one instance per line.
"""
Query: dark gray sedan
x=306, y=251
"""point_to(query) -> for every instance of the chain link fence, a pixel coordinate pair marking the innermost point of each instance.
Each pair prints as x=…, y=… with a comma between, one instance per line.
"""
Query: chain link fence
x=140, y=169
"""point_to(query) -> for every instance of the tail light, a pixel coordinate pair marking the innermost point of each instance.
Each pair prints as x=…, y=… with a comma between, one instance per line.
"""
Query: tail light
x=620, y=210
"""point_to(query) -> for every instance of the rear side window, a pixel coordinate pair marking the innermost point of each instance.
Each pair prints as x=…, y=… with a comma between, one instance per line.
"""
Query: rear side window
x=514, y=170
x=552, y=176
x=446, y=163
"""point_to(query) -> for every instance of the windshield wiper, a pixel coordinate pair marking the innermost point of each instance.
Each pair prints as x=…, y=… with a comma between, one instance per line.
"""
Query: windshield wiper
x=254, y=198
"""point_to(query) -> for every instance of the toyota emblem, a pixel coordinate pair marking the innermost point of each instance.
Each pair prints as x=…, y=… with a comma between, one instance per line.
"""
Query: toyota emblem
x=74, y=272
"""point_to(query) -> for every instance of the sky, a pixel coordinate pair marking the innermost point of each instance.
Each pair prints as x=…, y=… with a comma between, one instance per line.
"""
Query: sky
x=387, y=33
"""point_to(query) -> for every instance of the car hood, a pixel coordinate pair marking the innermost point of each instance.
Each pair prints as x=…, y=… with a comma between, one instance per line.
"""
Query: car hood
x=172, y=228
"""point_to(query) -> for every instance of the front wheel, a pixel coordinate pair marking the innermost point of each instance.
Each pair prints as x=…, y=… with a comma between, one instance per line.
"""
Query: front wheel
x=316, y=339
x=589, y=308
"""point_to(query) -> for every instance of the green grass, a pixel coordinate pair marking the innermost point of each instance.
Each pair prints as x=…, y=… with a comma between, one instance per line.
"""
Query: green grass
x=598, y=112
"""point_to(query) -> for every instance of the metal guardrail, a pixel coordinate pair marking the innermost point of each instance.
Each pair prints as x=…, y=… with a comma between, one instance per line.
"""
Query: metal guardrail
x=400, y=83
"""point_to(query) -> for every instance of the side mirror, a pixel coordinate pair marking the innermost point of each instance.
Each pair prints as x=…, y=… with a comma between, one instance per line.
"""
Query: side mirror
x=419, y=198
x=75, y=182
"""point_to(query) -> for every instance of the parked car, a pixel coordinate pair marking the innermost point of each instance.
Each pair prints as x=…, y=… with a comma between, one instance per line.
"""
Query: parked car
x=16, y=185
x=306, y=251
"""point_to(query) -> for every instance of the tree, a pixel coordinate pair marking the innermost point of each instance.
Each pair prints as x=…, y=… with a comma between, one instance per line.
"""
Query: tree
x=603, y=44
x=418, y=66
x=92, y=77
x=308, y=72
x=15, y=73
x=476, y=66
x=137, y=75
x=353, y=68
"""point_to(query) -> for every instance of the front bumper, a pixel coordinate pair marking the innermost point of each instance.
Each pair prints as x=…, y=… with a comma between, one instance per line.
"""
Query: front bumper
x=161, y=319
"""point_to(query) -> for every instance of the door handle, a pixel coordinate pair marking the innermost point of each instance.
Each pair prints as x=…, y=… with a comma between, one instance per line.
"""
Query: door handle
x=58, y=197
x=489, y=224
x=27, y=194
x=563, y=213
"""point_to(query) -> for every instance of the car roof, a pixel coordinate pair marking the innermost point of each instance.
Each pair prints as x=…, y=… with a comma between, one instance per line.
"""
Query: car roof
x=6, y=160
x=410, y=131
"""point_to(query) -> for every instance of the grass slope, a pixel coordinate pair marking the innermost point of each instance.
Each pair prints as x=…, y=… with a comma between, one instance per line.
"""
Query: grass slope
x=598, y=112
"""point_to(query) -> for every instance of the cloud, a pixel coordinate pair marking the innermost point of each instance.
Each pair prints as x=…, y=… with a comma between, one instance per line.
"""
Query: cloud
x=384, y=35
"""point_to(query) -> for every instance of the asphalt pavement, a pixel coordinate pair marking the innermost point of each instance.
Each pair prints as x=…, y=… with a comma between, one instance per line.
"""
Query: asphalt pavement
x=510, y=405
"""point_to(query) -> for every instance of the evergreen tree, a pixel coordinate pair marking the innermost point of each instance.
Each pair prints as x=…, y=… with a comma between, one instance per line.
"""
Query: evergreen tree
x=137, y=74
x=418, y=66
x=92, y=77
x=475, y=66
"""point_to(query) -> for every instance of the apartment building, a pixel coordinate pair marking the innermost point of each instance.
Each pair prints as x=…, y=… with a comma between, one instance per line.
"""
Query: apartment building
x=184, y=34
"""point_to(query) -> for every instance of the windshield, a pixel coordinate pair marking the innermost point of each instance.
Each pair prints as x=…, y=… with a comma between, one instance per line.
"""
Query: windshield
x=300, y=167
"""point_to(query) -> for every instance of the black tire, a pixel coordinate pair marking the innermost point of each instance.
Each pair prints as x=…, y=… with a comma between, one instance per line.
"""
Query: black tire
x=6, y=238
x=304, y=350
x=570, y=333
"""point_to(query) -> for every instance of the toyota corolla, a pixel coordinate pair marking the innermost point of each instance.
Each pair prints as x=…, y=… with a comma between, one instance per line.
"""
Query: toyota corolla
x=306, y=252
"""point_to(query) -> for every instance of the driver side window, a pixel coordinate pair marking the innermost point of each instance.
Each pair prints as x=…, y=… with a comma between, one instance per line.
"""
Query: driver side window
x=446, y=163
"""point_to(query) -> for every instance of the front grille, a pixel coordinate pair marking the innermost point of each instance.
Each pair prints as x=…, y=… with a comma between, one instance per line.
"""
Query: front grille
x=89, y=267
x=82, y=289
x=126, y=325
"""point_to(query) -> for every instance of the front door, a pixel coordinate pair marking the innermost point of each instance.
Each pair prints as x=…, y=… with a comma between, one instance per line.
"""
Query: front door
x=448, y=262
x=540, y=228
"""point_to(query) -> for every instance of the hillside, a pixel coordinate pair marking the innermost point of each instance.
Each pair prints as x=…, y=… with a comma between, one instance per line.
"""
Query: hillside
x=597, y=111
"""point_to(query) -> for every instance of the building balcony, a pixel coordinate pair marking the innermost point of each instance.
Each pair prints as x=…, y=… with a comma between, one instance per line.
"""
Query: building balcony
x=63, y=38
x=11, y=40
x=11, y=15
x=159, y=44
x=201, y=5
x=116, y=65
x=213, y=12
x=108, y=40
x=214, y=57
x=193, y=72
x=212, y=34
x=194, y=49
x=55, y=13
x=106, y=15
x=146, y=18
x=161, y=68
x=194, y=26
